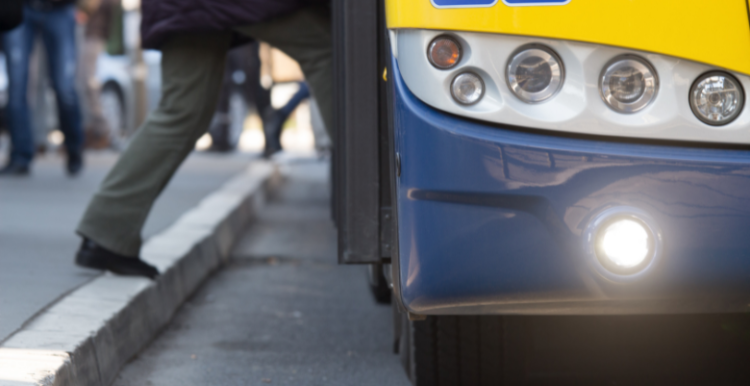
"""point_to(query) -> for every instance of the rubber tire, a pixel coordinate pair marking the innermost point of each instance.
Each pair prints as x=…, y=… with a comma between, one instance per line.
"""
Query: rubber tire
x=379, y=287
x=453, y=350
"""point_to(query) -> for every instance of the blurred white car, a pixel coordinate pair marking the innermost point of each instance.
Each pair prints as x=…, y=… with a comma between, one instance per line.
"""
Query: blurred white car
x=119, y=96
x=121, y=77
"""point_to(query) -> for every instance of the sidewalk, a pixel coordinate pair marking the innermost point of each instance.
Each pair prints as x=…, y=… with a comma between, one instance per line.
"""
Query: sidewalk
x=38, y=216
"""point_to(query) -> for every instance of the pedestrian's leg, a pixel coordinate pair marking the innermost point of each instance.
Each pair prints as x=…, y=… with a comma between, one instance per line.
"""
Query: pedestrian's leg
x=58, y=33
x=301, y=94
x=220, y=129
x=285, y=111
x=18, y=43
x=306, y=37
x=192, y=69
x=260, y=95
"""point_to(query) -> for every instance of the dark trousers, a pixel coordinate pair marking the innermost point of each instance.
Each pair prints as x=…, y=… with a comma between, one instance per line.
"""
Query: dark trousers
x=57, y=28
x=192, y=70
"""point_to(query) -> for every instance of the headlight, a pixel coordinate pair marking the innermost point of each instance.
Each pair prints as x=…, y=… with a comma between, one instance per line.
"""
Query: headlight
x=444, y=52
x=628, y=84
x=535, y=73
x=716, y=98
x=624, y=243
x=467, y=88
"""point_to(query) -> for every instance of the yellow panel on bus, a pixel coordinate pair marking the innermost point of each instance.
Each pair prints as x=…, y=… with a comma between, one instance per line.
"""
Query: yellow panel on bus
x=716, y=32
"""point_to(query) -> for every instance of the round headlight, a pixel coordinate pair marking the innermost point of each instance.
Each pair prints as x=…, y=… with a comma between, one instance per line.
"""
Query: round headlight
x=467, y=88
x=444, y=52
x=716, y=98
x=535, y=73
x=628, y=84
x=625, y=243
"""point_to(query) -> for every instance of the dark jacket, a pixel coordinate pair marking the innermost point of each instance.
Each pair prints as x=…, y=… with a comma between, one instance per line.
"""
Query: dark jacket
x=161, y=18
x=48, y=5
x=11, y=14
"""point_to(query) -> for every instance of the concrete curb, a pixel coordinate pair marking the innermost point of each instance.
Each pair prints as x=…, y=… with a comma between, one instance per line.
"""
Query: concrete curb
x=86, y=337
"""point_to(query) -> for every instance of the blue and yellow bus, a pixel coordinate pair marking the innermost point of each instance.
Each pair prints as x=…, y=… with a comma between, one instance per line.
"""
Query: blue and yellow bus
x=539, y=177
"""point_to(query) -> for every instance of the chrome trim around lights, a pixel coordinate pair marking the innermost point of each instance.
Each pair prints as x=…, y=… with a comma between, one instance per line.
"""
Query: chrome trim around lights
x=645, y=99
x=558, y=73
x=708, y=75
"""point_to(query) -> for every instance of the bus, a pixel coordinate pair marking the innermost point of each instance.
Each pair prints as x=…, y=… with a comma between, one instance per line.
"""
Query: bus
x=549, y=191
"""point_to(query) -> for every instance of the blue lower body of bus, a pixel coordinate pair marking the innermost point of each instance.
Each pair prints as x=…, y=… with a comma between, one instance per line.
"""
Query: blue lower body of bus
x=494, y=219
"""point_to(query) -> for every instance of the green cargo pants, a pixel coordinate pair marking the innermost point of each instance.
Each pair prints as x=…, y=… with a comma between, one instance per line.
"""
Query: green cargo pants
x=192, y=70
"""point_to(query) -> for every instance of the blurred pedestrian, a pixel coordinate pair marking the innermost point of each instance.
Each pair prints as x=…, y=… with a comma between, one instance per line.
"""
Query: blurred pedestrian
x=194, y=37
x=98, y=17
x=55, y=21
x=242, y=77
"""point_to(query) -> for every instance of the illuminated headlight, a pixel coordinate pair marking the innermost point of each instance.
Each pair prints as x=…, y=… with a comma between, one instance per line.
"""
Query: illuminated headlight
x=624, y=245
x=444, y=52
x=535, y=73
x=467, y=88
x=716, y=98
x=628, y=84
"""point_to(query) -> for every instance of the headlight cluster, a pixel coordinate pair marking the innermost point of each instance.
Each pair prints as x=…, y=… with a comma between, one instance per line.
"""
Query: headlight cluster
x=627, y=84
x=534, y=73
x=716, y=98
x=467, y=88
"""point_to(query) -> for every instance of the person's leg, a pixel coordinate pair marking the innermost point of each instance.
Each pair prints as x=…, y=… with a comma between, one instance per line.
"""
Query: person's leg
x=192, y=69
x=306, y=37
x=301, y=94
x=220, y=127
x=261, y=96
x=17, y=44
x=58, y=33
x=275, y=124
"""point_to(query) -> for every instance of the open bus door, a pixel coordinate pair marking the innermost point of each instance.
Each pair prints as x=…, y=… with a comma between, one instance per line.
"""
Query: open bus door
x=361, y=163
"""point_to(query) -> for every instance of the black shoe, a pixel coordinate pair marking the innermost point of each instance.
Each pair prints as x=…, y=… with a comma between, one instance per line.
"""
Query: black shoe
x=75, y=163
x=13, y=169
x=91, y=255
x=220, y=134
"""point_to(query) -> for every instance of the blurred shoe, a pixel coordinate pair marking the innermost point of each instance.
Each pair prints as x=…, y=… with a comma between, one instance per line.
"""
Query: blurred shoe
x=219, y=132
x=14, y=169
x=221, y=147
x=75, y=163
x=268, y=153
x=92, y=255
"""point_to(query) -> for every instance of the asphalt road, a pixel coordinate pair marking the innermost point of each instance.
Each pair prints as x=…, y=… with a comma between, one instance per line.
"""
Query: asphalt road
x=38, y=216
x=282, y=313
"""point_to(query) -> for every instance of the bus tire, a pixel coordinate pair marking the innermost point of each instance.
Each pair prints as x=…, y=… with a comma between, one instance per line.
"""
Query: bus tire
x=381, y=290
x=454, y=351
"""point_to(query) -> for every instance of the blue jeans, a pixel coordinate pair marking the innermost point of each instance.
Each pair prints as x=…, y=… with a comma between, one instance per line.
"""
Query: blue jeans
x=57, y=28
x=301, y=94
